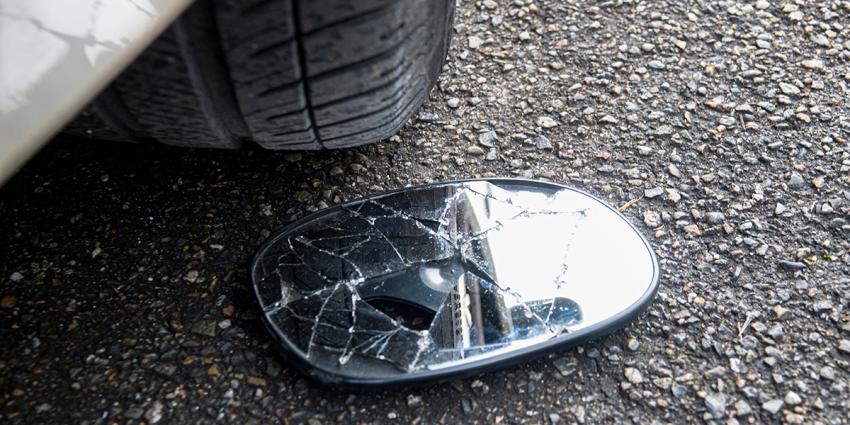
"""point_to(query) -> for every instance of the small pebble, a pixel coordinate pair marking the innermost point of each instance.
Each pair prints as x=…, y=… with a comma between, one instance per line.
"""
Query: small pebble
x=546, y=122
x=772, y=406
x=653, y=192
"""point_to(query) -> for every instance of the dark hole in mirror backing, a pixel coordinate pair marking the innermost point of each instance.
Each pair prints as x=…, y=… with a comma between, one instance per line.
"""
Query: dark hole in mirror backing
x=409, y=315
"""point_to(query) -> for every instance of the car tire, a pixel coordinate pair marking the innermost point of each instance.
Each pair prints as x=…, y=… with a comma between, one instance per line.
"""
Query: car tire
x=281, y=74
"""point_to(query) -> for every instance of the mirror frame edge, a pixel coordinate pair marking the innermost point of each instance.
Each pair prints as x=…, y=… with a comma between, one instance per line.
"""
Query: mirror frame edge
x=562, y=342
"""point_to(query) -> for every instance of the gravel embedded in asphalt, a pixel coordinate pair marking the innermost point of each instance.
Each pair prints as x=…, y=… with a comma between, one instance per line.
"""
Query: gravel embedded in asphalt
x=124, y=292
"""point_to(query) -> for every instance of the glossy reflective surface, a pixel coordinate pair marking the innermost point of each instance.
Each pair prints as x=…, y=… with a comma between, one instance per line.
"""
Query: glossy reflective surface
x=55, y=56
x=433, y=278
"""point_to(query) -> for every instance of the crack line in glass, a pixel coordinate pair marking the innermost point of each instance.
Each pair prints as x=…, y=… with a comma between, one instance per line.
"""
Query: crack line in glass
x=372, y=333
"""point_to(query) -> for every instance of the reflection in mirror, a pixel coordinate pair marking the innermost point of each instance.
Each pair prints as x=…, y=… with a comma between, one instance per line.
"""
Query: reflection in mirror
x=441, y=276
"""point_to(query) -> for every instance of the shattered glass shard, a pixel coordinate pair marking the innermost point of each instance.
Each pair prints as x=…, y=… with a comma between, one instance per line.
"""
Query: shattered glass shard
x=430, y=278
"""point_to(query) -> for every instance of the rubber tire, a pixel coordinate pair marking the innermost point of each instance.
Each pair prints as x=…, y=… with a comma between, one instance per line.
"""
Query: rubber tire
x=282, y=74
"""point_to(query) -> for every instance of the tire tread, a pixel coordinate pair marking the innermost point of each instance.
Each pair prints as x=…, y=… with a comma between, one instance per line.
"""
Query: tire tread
x=284, y=74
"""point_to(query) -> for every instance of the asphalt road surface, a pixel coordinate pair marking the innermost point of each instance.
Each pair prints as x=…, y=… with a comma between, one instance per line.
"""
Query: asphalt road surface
x=124, y=290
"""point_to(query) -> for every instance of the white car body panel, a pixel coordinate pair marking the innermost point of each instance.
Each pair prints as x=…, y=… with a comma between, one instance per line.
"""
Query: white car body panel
x=55, y=56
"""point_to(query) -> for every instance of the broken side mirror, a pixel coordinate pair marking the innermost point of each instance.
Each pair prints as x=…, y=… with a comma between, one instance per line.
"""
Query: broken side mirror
x=449, y=279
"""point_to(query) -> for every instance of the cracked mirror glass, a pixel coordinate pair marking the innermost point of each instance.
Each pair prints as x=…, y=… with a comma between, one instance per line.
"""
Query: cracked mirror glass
x=433, y=280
